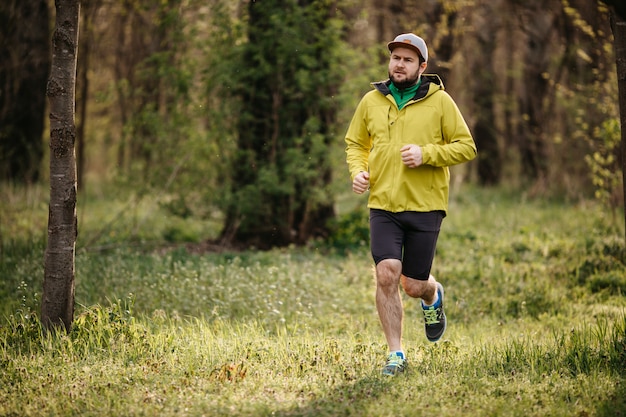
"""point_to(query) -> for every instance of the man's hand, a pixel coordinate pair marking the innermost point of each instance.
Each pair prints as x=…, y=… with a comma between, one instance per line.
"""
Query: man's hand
x=411, y=155
x=361, y=182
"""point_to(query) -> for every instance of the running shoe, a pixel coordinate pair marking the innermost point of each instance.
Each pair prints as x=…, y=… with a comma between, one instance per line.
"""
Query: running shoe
x=396, y=364
x=435, y=318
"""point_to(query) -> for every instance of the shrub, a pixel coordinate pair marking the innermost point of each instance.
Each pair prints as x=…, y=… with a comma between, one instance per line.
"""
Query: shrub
x=350, y=230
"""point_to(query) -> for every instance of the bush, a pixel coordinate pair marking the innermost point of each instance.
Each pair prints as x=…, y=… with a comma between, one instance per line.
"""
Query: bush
x=612, y=281
x=350, y=230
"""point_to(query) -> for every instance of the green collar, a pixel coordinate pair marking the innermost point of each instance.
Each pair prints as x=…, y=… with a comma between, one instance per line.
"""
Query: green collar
x=404, y=96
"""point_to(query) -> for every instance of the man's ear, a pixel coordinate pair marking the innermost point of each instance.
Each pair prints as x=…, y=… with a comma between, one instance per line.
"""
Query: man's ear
x=423, y=66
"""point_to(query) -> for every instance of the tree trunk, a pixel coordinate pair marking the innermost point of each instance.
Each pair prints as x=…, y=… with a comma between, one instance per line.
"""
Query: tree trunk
x=57, y=304
x=619, y=33
x=536, y=23
x=489, y=157
x=618, y=26
x=89, y=10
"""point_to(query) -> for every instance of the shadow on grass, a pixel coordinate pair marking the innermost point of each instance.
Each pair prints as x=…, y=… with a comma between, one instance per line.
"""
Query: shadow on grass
x=348, y=399
x=616, y=405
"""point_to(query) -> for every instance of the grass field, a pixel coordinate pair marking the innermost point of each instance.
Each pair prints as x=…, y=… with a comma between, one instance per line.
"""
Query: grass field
x=534, y=298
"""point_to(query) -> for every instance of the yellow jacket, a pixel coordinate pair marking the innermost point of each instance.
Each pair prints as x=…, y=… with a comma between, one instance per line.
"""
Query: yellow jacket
x=378, y=130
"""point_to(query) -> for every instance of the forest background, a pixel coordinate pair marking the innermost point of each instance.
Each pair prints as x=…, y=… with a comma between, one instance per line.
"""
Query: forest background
x=255, y=105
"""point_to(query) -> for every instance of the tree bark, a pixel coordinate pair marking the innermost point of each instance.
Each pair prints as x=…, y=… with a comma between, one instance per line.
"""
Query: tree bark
x=619, y=33
x=536, y=22
x=618, y=26
x=57, y=304
x=89, y=10
x=485, y=134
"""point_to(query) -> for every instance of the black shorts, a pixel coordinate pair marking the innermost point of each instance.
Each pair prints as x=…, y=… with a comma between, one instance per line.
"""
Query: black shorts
x=408, y=236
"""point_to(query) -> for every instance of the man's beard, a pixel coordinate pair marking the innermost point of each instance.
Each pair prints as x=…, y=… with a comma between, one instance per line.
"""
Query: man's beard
x=408, y=82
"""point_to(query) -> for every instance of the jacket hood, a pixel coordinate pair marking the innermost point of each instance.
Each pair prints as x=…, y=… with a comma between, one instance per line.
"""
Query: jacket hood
x=430, y=84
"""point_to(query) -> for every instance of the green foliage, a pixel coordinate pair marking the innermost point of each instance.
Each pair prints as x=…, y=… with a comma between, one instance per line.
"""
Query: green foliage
x=594, y=117
x=105, y=331
x=604, y=267
x=350, y=230
x=21, y=272
x=286, y=81
x=612, y=281
x=605, y=169
x=178, y=121
x=21, y=332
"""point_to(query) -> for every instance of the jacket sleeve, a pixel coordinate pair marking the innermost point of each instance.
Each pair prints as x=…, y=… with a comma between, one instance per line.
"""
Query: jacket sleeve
x=358, y=141
x=458, y=145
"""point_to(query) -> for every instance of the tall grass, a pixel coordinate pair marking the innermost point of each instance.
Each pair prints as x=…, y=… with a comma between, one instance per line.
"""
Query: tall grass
x=534, y=297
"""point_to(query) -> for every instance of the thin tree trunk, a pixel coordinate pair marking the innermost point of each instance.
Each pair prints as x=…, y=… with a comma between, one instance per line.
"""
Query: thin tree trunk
x=57, y=304
x=618, y=26
x=536, y=25
x=619, y=33
x=89, y=9
x=489, y=159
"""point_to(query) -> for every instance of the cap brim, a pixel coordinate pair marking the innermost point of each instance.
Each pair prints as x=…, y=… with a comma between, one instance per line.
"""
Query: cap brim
x=393, y=45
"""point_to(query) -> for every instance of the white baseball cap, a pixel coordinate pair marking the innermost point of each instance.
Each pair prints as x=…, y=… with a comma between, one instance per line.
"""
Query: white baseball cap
x=410, y=40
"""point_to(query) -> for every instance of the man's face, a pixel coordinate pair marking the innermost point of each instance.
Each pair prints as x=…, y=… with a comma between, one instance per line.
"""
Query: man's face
x=404, y=67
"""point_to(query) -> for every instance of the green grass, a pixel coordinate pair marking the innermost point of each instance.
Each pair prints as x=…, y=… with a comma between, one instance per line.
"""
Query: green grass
x=534, y=297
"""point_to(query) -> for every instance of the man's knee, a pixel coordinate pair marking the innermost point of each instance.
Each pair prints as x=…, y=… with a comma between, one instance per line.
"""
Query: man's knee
x=416, y=288
x=388, y=272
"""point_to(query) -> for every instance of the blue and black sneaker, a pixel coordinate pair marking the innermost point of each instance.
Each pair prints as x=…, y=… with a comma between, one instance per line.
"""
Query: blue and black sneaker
x=435, y=318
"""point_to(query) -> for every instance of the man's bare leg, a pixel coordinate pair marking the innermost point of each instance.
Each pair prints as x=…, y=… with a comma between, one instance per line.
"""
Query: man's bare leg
x=431, y=293
x=388, y=301
x=425, y=290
